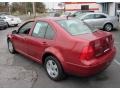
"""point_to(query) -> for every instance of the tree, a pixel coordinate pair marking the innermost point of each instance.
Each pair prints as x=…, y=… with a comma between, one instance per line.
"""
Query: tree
x=40, y=7
x=18, y=7
x=25, y=7
x=4, y=7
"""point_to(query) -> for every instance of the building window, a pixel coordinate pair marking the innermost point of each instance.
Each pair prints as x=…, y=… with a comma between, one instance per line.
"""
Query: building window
x=84, y=7
x=105, y=8
x=118, y=6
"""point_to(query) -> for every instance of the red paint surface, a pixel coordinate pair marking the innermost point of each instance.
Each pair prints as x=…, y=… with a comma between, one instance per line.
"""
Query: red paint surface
x=68, y=49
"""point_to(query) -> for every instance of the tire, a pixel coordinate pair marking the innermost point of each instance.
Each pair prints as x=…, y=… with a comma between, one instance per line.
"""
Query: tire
x=16, y=25
x=108, y=27
x=11, y=47
x=5, y=27
x=8, y=25
x=54, y=69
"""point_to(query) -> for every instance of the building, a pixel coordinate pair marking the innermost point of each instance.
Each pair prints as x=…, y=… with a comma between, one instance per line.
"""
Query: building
x=72, y=6
x=77, y=6
x=110, y=8
x=52, y=6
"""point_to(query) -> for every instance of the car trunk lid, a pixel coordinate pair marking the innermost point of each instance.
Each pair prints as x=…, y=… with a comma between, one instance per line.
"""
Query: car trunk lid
x=100, y=41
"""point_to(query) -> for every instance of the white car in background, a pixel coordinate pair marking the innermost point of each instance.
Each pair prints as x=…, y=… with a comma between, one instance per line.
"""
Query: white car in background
x=11, y=20
x=99, y=20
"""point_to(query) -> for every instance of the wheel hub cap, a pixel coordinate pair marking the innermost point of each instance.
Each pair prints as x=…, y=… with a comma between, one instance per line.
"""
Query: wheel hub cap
x=108, y=27
x=52, y=68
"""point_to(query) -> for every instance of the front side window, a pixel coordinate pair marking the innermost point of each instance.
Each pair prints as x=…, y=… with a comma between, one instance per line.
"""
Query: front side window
x=25, y=29
x=40, y=29
x=99, y=16
x=75, y=27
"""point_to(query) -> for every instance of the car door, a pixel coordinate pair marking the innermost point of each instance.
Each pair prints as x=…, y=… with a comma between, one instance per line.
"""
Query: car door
x=20, y=39
x=89, y=19
x=100, y=20
x=40, y=39
x=36, y=42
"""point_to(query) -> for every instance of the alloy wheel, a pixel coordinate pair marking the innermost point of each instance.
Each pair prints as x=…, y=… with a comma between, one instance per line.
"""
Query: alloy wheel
x=52, y=68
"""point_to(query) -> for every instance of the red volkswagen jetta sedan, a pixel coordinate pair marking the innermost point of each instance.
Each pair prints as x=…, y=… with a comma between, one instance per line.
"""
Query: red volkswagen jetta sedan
x=63, y=45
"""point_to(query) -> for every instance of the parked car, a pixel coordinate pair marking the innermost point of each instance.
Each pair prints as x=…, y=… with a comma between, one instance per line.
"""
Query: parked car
x=3, y=24
x=66, y=14
x=63, y=45
x=99, y=20
x=11, y=20
x=74, y=13
x=57, y=14
x=4, y=13
x=54, y=14
x=77, y=13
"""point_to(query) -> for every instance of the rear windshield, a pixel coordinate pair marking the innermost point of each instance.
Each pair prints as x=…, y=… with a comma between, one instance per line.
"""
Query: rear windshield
x=75, y=27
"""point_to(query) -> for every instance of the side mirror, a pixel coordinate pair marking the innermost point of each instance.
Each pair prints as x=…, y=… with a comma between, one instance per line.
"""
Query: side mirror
x=14, y=32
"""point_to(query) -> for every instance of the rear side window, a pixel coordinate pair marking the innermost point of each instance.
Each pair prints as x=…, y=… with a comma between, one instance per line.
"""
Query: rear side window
x=49, y=33
x=89, y=16
x=40, y=29
x=75, y=27
x=98, y=16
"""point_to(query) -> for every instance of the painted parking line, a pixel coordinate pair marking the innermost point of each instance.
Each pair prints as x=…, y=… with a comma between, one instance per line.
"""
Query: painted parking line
x=117, y=62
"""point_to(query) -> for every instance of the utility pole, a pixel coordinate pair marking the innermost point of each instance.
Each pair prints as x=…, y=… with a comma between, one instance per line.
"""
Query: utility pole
x=9, y=8
x=34, y=12
x=26, y=8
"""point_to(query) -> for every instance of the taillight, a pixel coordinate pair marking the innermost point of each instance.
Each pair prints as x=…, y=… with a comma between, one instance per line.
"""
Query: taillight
x=87, y=53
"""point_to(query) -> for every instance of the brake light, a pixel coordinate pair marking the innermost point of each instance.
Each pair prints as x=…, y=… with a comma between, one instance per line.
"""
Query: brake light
x=87, y=53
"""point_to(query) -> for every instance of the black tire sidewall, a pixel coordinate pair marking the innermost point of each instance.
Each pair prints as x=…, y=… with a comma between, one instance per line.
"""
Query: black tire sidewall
x=12, y=45
x=108, y=24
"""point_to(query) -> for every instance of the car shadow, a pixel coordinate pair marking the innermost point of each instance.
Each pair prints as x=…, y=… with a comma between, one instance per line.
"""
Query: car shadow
x=20, y=60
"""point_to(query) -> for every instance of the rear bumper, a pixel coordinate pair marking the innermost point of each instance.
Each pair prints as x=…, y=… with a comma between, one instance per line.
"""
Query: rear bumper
x=89, y=70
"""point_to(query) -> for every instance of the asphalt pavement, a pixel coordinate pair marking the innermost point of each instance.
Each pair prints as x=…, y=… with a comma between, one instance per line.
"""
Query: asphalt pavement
x=19, y=71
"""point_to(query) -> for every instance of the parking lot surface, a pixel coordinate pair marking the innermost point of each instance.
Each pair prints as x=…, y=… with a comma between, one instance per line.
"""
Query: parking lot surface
x=19, y=71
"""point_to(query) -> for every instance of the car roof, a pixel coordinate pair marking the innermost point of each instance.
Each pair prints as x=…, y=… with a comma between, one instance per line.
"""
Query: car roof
x=95, y=13
x=84, y=14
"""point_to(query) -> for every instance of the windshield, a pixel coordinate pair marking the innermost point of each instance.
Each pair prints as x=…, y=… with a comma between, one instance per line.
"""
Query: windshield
x=75, y=27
